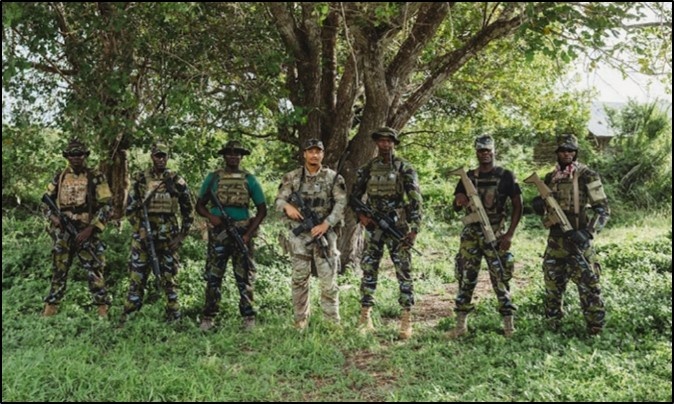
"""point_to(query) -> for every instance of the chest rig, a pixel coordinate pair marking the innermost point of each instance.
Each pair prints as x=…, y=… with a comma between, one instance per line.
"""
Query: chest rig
x=487, y=188
x=385, y=181
x=572, y=198
x=233, y=189
x=316, y=192
x=73, y=196
x=162, y=202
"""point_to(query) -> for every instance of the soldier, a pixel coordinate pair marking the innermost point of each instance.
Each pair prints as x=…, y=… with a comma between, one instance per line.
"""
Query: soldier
x=322, y=191
x=160, y=192
x=495, y=185
x=392, y=189
x=570, y=255
x=234, y=189
x=83, y=196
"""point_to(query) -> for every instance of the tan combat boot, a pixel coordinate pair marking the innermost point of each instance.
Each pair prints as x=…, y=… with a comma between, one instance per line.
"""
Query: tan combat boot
x=249, y=323
x=406, y=325
x=365, y=321
x=103, y=310
x=49, y=310
x=508, y=326
x=461, y=327
x=206, y=323
x=301, y=325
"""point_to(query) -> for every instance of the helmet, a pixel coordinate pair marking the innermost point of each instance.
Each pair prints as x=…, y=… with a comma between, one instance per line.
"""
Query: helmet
x=568, y=142
x=385, y=131
x=235, y=146
x=75, y=147
x=158, y=148
x=484, y=142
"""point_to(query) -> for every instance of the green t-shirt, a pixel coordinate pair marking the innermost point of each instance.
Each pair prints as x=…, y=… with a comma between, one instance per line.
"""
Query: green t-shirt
x=235, y=212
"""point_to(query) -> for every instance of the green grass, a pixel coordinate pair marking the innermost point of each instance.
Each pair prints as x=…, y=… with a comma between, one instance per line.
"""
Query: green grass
x=75, y=356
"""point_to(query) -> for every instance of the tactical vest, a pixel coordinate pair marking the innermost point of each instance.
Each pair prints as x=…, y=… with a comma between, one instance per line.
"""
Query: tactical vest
x=563, y=192
x=72, y=196
x=162, y=202
x=487, y=188
x=384, y=181
x=233, y=189
x=316, y=191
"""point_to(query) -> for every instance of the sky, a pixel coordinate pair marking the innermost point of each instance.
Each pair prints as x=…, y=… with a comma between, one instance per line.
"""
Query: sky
x=612, y=87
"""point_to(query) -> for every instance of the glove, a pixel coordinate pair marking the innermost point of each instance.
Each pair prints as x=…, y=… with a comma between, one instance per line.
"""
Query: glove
x=538, y=205
x=581, y=238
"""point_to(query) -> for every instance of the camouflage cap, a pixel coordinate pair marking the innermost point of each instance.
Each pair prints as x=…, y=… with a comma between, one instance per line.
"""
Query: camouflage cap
x=75, y=147
x=159, y=148
x=567, y=142
x=234, y=146
x=313, y=143
x=484, y=142
x=385, y=131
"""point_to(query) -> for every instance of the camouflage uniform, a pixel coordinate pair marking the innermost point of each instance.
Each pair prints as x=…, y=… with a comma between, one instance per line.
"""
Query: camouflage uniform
x=85, y=199
x=170, y=193
x=325, y=192
x=393, y=190
x=561, y=261
x=494, y=188
x=234, y=190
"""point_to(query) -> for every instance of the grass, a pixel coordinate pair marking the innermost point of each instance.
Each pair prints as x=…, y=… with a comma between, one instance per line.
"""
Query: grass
x=75, y=356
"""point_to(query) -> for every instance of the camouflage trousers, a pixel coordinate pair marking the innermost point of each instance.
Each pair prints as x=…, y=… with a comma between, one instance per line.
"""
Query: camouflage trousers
x=560, y=265
x=62, y=259
x=369, y=264
x=140, y=268
x=219, y=253
x=303, y=257
x=467, y=266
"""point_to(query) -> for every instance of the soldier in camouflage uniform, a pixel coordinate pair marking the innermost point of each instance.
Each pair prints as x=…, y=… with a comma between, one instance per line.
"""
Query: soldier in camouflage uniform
x=163, y=192
x=495, y=185
x=392, y=188
x=577, y=189
x=323, y=191
x=234, y=188
x=83, y=195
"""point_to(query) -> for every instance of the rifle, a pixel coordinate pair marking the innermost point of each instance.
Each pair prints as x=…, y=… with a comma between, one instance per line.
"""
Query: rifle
x=477, y=211
x=69, y=227
x=230, y=230
x=149, y=240
x=383, y=222
x=557, y=215
x=310, y=221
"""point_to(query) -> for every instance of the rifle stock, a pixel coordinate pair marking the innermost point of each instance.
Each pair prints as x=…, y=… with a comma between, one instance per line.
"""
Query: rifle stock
x=69, y=227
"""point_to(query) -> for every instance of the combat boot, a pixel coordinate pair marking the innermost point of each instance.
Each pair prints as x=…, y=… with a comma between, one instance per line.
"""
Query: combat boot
x=49, y=310
x=249, y=323
x=508, y=326
x=406, y=325
x=365, y=322
x=594, y=330
x=301, y=325
x=103, y=310
x=206, y=323
x=461, y=327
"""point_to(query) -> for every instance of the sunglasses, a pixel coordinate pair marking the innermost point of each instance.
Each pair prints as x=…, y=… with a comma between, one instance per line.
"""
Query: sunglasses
x=75, y=154
x=160, y=155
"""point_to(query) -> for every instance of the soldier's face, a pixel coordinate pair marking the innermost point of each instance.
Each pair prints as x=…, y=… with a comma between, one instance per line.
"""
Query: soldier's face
x=159, y=160
x=485, y=156
x=76, y=160
x=314, y=156
x=385, y=145
x=565, y=156
x=233, y=159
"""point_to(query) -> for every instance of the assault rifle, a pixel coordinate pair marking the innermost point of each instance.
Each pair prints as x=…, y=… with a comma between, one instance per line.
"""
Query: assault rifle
x=69, y=228
x=230, y=230
x=310, y=221
x=384, y=222
x=149, y=238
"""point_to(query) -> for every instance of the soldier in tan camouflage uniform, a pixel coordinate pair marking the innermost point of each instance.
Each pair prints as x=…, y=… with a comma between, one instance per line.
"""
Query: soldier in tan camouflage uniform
x=324, y=192
x=167, y=192
x=83, y=195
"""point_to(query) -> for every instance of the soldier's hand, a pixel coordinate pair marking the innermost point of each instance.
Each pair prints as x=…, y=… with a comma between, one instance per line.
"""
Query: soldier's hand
x=292, y=212
x=320, y=230
x=365, y=221
x=214, y=220
x=409, y=239
x=55, y=221
x=177, y=242
x=84, y=235
x=461, y=200
x=505, y=242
